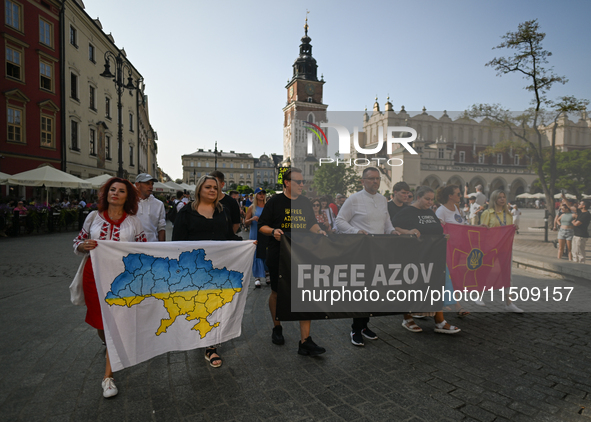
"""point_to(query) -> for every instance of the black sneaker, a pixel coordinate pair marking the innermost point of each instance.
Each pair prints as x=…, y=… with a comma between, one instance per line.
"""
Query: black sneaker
x=357, y=338
x=277, y=336
x=309, y=348
x=367, y=333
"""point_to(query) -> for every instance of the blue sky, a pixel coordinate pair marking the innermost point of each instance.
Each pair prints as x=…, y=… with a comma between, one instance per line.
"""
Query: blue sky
x=218, y=70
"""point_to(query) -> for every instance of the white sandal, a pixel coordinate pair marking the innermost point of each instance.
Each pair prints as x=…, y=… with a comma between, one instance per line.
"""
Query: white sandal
x=440, y=328
x=411, y=325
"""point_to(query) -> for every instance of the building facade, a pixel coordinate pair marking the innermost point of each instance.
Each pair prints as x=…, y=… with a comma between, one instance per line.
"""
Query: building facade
x=30, y=110
x=453, y=151
x=91, y=101
x=265, y=173
x=148, y=148
x=304, y=109
x=238, y=168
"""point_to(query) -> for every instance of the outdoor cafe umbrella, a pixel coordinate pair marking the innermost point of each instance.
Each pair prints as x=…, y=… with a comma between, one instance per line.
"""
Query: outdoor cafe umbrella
x=161, y=187
x=98, y=181
x=568, y=196
x=174, y=186
x=525, y=196
x=538, y=195
x=3, y=178
x=49, y=177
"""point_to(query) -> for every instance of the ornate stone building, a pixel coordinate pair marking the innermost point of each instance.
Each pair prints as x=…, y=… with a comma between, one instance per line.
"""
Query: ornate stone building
x=90, y=103
x=147, y=146
x=304, y=108
x=238, y=168
x=265, y=173
x=452, y=151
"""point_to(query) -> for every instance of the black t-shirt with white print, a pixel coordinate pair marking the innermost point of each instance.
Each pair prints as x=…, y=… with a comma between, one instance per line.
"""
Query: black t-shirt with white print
x=286, y=214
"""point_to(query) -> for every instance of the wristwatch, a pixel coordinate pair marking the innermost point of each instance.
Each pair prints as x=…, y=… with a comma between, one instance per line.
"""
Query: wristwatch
x=273, y=233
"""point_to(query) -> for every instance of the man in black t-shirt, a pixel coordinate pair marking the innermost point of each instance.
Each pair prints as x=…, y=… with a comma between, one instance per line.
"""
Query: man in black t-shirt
x=400, y=192
x=581, y=234
x=283, y=213
x=230, y=204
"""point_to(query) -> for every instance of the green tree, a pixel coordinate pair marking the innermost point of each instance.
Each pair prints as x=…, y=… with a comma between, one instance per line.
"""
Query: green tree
x=178, y=181
x=529, y=60
x=331, y=179
x=573, y=171
x=244, y=189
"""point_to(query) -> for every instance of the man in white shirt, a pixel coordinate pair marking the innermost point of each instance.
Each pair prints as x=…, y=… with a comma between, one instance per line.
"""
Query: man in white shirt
x=480, y=197
x=480, y=200
x=150, y=210
x=474, y=208
x=365, y=212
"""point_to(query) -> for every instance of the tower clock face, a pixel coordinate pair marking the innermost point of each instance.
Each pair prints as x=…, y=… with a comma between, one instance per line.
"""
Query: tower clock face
x=310, y=89
x=291, y=91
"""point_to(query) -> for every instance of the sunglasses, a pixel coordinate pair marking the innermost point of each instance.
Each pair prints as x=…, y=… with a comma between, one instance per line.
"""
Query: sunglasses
x=299, y=182
x=315, y=205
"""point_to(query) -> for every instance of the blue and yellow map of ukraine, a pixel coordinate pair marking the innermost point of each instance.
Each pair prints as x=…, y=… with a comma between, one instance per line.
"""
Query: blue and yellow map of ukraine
x=187, y=286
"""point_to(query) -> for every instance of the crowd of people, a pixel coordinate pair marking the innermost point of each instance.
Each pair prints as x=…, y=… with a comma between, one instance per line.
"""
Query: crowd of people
x=129, y=212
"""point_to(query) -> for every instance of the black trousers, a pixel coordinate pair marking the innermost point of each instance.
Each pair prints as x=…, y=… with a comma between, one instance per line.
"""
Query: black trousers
x=359, y=323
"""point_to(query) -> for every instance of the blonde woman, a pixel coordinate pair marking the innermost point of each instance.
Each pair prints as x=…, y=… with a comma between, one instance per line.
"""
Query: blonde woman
x=497, y=215
x=203, y=219
x=252, y=220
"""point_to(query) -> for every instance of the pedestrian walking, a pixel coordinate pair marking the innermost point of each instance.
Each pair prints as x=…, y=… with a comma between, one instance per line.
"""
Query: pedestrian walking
x=497, y=215
x=252, y=220
x=581, y=231
x=564, y=223
x=419, y=219
x=150, y=210
x=365, y=212
x=516, y=213
x=275, y=221
x=115, y=220
x=204, y=219
x=449, y=213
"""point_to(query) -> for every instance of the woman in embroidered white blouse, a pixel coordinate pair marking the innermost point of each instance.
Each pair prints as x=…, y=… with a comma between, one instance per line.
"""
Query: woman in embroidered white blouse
x=114, y=220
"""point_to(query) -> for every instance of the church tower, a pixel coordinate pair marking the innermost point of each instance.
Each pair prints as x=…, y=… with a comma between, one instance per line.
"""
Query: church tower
x=301, y=146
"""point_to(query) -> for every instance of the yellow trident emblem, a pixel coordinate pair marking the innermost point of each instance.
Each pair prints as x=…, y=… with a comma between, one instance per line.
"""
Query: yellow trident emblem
x=473, y=259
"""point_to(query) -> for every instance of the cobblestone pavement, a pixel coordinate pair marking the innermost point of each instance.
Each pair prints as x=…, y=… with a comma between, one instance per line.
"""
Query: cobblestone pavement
x=501, y=367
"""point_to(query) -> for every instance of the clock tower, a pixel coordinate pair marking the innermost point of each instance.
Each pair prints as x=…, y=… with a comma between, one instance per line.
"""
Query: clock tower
x=301, y=146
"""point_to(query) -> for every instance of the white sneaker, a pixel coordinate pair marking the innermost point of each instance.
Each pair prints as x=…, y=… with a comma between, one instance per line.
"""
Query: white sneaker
x=479, y=302
x=257, y=283
x=109, y=388
x=512, y=308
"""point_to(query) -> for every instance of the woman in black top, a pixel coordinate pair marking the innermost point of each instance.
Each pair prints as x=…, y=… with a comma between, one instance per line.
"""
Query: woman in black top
x=419, y=219
x=203, y=219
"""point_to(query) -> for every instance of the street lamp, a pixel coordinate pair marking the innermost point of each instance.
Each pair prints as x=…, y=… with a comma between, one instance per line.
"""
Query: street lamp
x=121, y=67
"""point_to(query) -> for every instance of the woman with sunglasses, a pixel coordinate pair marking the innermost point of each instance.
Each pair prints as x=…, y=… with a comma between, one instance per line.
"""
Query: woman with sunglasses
x=325, y=202
x=203, y=219
x=320, y=216
x=449, y=212
x=251, y=220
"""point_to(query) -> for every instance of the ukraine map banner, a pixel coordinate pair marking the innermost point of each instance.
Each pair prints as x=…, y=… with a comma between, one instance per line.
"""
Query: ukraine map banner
x=479, y=258
x=165, y=296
